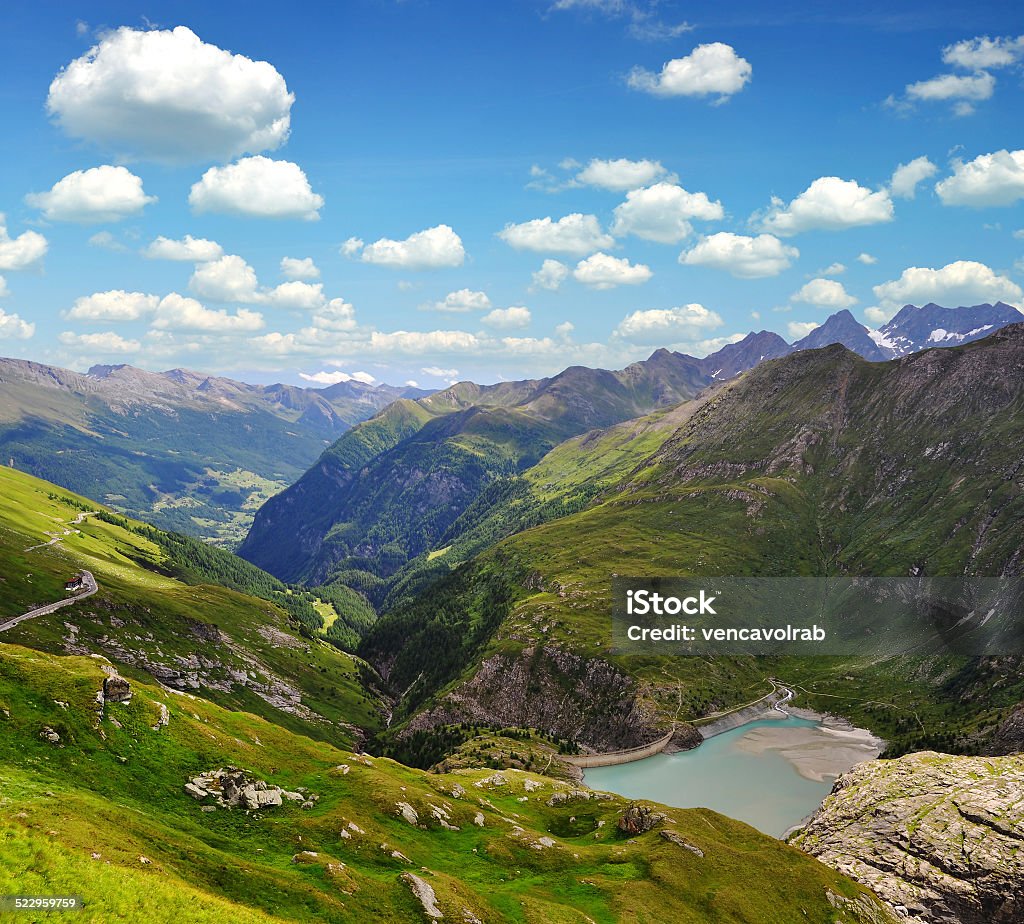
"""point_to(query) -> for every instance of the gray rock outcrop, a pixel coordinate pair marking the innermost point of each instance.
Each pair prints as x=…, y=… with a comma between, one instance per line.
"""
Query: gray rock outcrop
x=555, y=690
x=679, y=841
x=938, y=837
x=48, y=734
x=230, y=787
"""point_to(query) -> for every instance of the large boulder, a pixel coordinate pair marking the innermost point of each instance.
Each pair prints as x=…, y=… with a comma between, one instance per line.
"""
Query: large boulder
x=639, y=819
x=116, y=690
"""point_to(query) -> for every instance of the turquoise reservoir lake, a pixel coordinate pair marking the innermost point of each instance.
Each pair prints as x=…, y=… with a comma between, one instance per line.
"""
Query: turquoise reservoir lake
x=772, y=773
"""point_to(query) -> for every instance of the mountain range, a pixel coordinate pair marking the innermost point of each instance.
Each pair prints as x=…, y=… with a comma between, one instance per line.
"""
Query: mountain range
x=401, y=486
x=483, y=524
x=201, y=454
x=186, y=451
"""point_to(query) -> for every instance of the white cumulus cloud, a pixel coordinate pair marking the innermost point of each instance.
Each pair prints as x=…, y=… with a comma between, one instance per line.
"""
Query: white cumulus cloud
x=878, y=315
x=435, y=248
x=172, y=312
x=989, y=179
x=667, y=325
x=550, y=276
x=418, y=342
x=228, y=279
x=257, y=187
x=335, y=378
x=621, y=174
x=337, y=315
x=984, y=52
x=296, y=295
x=351, y=247
x=113, y=305
x=906, y=177
x=602, y=271
x=800, y=329
x=508, y=318
x=867, y=259
x=709, y=70
x=99, y=194
x=166, y=95
x=742, y=256
x=13, y=327
x=440, y=373
x=462, y=301
x=970, y=88
x=296, y=268
x=977, y=55
x=231, y=279
x=573, y=234
x=829, y=204
x=106, y=241
x=827, y=293
x=17, y=253
x=663, y=212
x=188, y=250
x=964, y=282
x=179, y=312
x=106, y=342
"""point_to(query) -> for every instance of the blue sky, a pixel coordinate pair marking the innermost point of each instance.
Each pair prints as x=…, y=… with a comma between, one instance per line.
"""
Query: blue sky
x=703, y=171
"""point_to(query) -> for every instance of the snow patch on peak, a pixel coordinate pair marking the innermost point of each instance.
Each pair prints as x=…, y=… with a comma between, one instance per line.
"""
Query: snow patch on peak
x=881, y=340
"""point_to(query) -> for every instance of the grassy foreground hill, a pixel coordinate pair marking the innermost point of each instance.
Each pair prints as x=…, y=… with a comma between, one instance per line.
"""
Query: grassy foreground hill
x=92, y=804
x=816, y=464
x=154, y=616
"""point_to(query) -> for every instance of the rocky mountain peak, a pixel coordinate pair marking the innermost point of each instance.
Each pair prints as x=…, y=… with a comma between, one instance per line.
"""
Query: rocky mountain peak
x=842, y=327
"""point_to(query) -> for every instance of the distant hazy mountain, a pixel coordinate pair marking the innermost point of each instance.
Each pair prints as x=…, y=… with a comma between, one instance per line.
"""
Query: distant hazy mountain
x=184, y=450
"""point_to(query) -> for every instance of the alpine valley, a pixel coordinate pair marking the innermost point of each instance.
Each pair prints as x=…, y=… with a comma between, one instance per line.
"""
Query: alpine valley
x=189, y=452
x=372, y=710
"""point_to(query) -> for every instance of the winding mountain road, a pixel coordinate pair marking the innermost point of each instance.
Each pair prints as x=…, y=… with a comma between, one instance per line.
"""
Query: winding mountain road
x=90, y=588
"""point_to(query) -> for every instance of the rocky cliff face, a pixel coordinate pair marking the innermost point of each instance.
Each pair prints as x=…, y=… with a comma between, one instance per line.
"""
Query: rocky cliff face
x=549, y=688
x=938, y=837
x=1008, y=737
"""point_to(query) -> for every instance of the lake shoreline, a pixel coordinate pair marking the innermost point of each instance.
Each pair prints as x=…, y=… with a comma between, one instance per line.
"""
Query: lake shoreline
x=833, y=747
x=802, y=751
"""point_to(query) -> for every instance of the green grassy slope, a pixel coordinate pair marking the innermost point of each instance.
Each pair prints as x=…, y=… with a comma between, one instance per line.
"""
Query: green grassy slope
x=566, y=480
x=228, y=646
x=816, y=464
x=102, y=814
